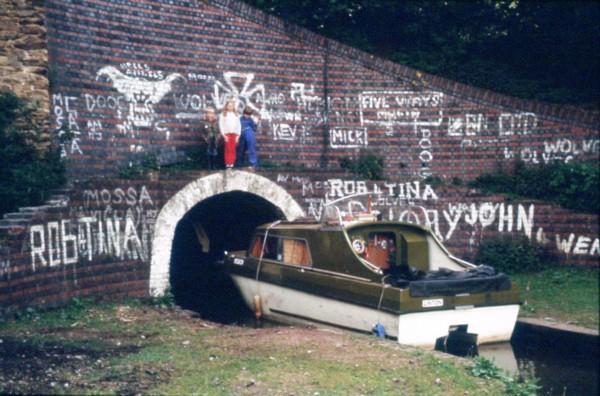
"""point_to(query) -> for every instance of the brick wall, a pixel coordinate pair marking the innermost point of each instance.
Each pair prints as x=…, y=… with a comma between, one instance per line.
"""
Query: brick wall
x=131, y=78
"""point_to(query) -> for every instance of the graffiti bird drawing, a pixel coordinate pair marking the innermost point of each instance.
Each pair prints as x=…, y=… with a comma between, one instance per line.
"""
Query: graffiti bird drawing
x=141, y=94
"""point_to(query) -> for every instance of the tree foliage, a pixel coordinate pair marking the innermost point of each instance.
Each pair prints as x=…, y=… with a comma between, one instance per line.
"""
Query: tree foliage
x=573, y=185
x=514, y=254
x=26, y=174
x=545, y=50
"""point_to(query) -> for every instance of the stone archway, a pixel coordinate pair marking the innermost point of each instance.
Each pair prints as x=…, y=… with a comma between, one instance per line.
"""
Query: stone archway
x=197, y=191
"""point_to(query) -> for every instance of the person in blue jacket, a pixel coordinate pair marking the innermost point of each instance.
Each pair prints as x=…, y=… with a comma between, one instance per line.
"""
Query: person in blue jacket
x=247, y=140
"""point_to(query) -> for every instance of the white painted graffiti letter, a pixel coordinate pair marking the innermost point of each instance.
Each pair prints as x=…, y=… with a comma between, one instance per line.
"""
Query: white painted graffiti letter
x=237, y=87
x=344, y=137
x=389, y=108
x=284, y=132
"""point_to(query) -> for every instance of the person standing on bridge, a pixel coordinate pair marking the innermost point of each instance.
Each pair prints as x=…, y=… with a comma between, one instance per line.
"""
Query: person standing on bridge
x=212, y=137
x=247, y=140
x=230, y=127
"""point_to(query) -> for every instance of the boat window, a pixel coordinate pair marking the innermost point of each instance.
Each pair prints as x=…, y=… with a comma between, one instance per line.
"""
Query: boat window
x=295, y=251
x=272, y=251
x=380, y=249
x=287, y=250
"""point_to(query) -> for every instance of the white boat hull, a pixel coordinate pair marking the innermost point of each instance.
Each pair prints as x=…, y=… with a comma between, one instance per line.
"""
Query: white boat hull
x=491, y=324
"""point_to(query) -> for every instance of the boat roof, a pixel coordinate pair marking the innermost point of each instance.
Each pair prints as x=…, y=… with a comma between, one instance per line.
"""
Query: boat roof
x=304, y=224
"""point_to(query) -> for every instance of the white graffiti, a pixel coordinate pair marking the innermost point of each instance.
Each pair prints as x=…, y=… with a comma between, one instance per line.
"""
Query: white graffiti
x=389, y=108
x=563, y=150
x=578, y=245
x=142, y=95
x=305, y=97
x=516, y=123
x=69, y=240
x=467, y=125
x=135, y=69
x=238, y=87
x=426, y=152
x=384, y=193
x=348, y=137
x=130, y=196
x=487, y=213
x=199, y=77
x=566, y=149
x=66, y=124
x=94, y=128
x=4, y=264
x=284, y=132
x=344, y=110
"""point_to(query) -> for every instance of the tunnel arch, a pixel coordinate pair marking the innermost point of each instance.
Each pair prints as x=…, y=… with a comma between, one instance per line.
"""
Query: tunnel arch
x=197, y=191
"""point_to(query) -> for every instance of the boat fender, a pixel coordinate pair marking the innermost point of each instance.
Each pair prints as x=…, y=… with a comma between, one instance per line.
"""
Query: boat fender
x=379, y=330
x=257, y=306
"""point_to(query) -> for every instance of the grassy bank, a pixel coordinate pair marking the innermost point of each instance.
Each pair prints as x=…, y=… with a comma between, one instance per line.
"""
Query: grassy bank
x=141, y=348
x=568, y=295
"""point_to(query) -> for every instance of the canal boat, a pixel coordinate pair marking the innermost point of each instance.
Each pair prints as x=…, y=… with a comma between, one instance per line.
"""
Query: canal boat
x=354, y=271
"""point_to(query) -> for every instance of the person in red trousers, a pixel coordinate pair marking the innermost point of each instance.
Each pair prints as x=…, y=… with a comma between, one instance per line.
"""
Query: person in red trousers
x=230, y=127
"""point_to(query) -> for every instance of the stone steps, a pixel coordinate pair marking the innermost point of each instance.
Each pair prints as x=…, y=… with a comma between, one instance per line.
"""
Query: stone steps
x=23, y=217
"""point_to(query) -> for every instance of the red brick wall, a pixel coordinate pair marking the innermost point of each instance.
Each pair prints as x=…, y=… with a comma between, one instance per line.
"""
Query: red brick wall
x=132, y=77
x=99, y=242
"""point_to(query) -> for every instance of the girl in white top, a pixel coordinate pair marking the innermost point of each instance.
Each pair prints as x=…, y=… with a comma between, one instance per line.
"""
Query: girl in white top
x=230, y=127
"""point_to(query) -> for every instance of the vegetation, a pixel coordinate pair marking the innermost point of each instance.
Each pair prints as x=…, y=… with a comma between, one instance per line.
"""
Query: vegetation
x=27, y=173
x=367, y=166
x=514, y=254
x=484, y=368
x=544, y=50
x=573, y=185
x=564, y=294
x=147, y=164
x=141, y=347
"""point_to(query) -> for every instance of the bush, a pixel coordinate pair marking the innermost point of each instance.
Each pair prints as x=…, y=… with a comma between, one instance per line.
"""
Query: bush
x=573, y=185
x=514, y=254
x=367, y=166
x=27, y=175
x=514, y=386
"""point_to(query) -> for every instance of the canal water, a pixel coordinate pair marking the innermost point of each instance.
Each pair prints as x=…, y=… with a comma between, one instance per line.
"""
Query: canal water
x=565, y=363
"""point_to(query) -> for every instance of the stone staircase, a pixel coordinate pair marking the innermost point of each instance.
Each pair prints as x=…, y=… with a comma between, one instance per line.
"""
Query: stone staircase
x=21, y=219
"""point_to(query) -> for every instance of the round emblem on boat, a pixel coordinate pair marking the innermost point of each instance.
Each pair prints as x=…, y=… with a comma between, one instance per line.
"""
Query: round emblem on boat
x=359, y=246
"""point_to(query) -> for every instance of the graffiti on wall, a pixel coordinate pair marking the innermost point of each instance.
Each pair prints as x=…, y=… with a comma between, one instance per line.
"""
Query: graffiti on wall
x=66, y=124
x=113, y=223
x=561, y=149
x=142, y=89
x=417, y=202
x=240, y=88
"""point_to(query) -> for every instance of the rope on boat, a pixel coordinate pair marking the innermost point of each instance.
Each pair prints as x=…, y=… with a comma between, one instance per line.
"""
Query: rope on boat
x=257, y=299
x=378, y=328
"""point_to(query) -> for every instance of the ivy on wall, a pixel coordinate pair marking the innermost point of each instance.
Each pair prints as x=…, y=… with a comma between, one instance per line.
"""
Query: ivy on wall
x=27, y=172
x=368, y=165
x=573, y=185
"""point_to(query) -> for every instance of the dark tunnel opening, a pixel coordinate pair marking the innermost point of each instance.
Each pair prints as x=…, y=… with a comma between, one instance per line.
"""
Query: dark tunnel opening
x=216, y=224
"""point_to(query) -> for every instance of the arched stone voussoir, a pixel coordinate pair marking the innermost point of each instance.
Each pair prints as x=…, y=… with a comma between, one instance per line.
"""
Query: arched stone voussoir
x=197, y=191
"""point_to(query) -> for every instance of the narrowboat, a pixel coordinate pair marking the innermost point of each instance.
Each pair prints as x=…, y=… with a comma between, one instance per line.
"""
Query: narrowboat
x=357, y=272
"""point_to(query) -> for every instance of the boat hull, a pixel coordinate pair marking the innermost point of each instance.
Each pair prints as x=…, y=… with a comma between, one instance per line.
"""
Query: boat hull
x=492, y=324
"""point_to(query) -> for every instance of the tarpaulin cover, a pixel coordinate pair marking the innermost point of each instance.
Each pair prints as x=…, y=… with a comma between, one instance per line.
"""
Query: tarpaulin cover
x=445, y=282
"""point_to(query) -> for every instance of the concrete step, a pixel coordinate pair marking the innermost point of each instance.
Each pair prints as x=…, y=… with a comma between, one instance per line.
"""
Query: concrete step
x=34, y=209
x=18, y=216
x=59, y=197
x=56, y=202
x=14, y=222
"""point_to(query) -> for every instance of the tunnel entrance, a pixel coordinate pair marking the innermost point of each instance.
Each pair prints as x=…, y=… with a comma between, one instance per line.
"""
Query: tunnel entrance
x=223, y=222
